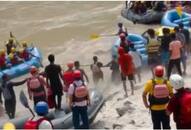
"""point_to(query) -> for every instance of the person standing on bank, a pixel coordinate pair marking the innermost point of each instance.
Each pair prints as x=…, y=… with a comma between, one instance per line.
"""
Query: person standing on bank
x=158, y=92
x=175, y=49
x=53, y=79
x=78, y=101
x=9, y=95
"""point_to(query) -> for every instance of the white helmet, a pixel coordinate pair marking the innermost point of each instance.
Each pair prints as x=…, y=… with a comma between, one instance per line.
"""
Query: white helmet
x=45, y=125
x=176, y=81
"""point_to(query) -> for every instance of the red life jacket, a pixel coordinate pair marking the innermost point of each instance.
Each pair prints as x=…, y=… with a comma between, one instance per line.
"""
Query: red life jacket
x=126, y=64
x=68, y=77
x=80, y=93
x=34, y=125
x=25, y=54
x=35, y=86
x=185, y=107
x=2, y=61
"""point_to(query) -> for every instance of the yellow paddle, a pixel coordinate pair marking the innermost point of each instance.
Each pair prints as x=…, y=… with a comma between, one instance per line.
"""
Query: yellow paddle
x=96, y=36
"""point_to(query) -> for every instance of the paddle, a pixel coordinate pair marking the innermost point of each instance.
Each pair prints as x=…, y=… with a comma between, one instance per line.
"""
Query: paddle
x=96, y=36
x=12, y=36
x=179, y=11
x=24, y=102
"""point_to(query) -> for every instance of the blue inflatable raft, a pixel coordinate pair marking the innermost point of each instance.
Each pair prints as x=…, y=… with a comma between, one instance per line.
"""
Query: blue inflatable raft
x=139, y=43
x=24, y=67
x=172, y=19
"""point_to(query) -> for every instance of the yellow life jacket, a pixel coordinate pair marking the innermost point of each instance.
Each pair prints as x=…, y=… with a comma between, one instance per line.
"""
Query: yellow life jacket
x=153, y=46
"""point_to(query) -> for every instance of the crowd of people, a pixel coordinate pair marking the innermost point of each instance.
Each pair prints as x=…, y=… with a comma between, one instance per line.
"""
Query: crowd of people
x=164, y=53
x=46, y=89
x=141, y=7
x=14, y=53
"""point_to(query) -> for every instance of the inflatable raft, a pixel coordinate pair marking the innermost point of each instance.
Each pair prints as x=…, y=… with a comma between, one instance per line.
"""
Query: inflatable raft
x=172, y=19
x=63, y=119
x=24, y=67
x=150, y=17
x=139, y=43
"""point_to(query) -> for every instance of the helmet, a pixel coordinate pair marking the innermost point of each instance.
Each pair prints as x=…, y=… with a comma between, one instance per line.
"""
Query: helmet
x=13, y=49
x=121, y=50
x=77, y=74
x=45, y=125
x=2, y=52
x=176, y=81
x=24, y=43
x=122, y=36
x=70, y=64
x=8, y=126
x=159, y=71
x=33, y=70
x=41, y=108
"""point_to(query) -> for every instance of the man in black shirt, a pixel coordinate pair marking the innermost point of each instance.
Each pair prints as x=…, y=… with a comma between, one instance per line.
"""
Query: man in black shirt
x=164, y=48
x=53, y=74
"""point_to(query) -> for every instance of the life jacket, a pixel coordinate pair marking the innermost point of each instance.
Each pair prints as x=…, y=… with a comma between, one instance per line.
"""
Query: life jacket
x=68, y=78
x=35, y=86
x=160, y=93
x=184, y=107
x=2, y=61
x=153, y=47
x=14, y=60
x=25, y=54
x=126, y=64
x=34, y=124
x=80, y=92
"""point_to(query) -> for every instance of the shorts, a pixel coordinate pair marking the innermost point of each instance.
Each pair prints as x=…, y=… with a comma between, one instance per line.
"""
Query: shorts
x=153, y=60
x=130, y=77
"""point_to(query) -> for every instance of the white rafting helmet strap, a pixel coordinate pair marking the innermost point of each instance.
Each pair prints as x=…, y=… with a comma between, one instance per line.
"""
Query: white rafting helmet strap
x=176, y=81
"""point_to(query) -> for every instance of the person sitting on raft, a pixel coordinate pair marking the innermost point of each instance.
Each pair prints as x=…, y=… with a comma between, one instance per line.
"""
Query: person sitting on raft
x=13, y=57
x=2, y=59
x=10, y=45
x=25, y=53
x=139, y=8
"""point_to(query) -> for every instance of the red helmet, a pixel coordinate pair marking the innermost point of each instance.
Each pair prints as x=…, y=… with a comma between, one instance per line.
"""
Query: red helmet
x=122, y=36
x=70, y=64
x=159, y=71
x=121, y=51
x=33, y=70
x=77, y=74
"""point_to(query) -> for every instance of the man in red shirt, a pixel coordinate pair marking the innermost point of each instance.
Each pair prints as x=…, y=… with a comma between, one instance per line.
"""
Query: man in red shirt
x=180, y=103
x=127, y=69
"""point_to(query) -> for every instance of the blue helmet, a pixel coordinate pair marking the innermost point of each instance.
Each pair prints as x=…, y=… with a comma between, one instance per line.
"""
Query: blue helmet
x=41, y=108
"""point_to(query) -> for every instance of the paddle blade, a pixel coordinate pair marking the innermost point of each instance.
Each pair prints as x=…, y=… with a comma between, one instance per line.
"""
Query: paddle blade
x=94, y=36
x=23, y=99
x=179, y=10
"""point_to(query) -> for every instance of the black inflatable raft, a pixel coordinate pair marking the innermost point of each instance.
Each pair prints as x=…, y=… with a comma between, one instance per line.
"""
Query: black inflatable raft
x=63, y=119
x=150, y=17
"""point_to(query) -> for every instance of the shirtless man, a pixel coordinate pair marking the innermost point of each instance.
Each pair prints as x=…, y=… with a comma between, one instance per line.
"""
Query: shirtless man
x=96, y=70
